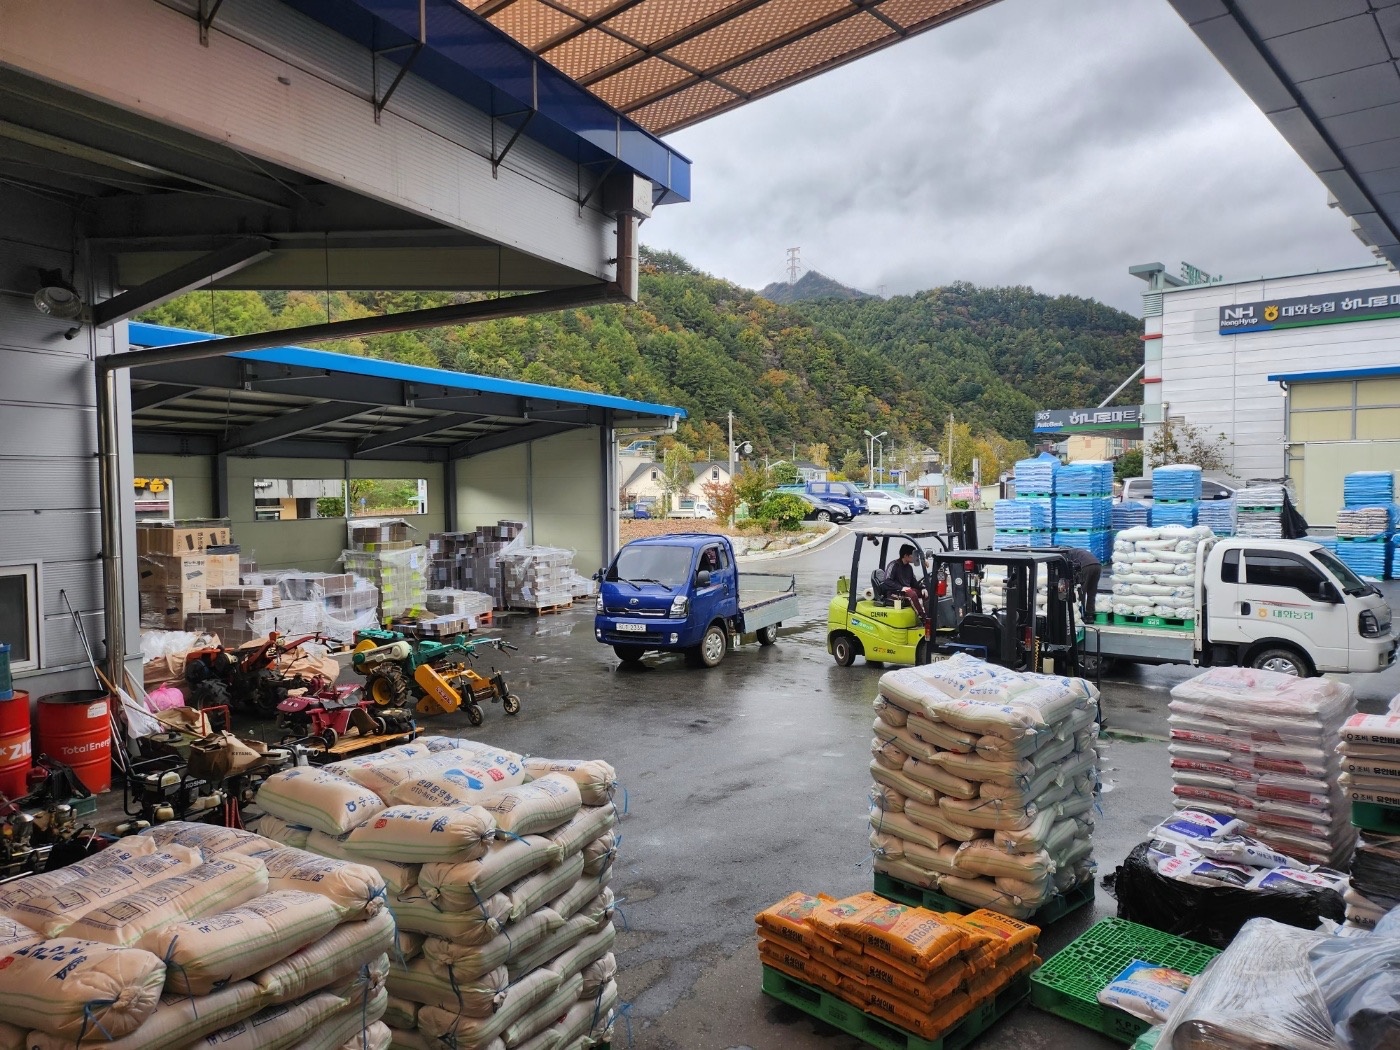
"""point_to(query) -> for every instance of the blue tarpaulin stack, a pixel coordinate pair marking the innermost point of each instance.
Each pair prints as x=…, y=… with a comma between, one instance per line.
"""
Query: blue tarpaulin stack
x=1021, y=523
x=1083, y=512
x=1176, y=494
x=1366, y=557
x=1087, y=478
x=1098, y=541
x=1173, y=513
x=1036, y=476
x=1218, y=515
x=1366, y=525
x=1368, y=488
x=1129, y=515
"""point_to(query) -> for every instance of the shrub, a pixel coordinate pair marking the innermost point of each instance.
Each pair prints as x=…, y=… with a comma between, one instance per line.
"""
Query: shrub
x=782, y=512
x=961, y=504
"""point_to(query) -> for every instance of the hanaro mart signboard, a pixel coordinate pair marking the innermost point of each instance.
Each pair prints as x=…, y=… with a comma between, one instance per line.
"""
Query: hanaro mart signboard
x=1077, y=420
x=1370, y=304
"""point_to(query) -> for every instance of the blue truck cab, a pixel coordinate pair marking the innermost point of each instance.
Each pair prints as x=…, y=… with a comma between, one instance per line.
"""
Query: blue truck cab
x=842, y=493
x=684, y=593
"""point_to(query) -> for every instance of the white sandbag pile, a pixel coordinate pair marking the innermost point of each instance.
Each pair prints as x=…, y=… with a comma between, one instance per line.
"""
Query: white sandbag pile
x=1262, y=746
x=1154, y=570
x=984, y=783
x=189, y=933
x=497, y=871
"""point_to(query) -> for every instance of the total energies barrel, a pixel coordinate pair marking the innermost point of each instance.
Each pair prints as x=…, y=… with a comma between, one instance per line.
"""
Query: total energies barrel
x=74, y=728
x=14, y=744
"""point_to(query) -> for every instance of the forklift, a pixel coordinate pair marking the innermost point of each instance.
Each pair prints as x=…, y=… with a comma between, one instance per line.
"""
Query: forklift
x=867, y=621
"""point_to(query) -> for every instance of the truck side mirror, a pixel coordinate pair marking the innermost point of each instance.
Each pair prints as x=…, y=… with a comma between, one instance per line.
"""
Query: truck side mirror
x=1327, y=592
x=702, y=578
x=598, y=576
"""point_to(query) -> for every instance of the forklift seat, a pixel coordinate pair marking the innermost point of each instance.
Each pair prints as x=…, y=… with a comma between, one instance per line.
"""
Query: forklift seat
x=877, y=584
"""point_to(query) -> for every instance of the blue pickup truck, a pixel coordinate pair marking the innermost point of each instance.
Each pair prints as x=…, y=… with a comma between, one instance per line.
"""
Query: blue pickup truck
x=684, y=593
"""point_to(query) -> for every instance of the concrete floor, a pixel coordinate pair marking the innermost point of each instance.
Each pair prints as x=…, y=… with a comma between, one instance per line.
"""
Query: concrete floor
x=747, y=782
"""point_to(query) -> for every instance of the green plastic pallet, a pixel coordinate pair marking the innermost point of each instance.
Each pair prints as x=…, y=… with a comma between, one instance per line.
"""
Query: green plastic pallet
x=1068, y=984
x=1371, y=816
x=917, y=896
x=1161, y=623
x=879, y=1033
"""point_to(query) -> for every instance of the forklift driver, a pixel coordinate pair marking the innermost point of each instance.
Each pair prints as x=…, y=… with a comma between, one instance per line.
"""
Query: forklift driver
x=899, y=575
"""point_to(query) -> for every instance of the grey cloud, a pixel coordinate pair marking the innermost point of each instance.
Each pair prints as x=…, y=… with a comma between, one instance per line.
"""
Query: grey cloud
x=1043, y=142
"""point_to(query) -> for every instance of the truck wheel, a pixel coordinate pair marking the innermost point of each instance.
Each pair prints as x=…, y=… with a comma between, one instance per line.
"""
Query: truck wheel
x=629, y=654
x=1284, y=660
x=823, y=515
x=843, y=650
x=387, y=686
x=768, y=635
x=713, y=646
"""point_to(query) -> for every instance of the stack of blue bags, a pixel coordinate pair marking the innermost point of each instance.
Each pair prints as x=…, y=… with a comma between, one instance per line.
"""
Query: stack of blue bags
x=1021, y=523
x=1129, y=515
x=1089, y=478
x=1173, y=514
x=1371, y=492
x=1176, y=482
x=1218, y=515
x=1100, y=543
x=1083, y=512
x=1036, y=476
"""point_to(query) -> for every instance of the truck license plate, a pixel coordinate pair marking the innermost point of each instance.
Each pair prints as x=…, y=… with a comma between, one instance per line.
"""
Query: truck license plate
x=633, y=628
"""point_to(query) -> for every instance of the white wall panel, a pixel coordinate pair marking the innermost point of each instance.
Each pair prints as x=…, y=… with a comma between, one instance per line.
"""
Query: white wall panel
x=568, y=496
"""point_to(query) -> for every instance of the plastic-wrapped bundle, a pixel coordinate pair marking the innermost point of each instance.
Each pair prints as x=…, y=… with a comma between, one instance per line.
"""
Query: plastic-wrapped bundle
x=1364, y=488
x=1036, y=474
x=1020, y=514
x=1365, y=557
x=1260, y=495
x=1083, y=512
x=1004, y=540
x=1173, y=513
x=1176, y=481
x=1218, y=515
x=1128, y=515
x=1086, y=478
x=1365, y=522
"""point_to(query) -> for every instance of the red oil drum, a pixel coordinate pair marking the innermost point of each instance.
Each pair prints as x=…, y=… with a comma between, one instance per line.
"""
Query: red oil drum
x=75, y=728
x=14, y=745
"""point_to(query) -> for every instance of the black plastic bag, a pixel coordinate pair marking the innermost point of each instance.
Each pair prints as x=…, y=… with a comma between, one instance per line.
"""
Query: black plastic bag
x=1211, y=915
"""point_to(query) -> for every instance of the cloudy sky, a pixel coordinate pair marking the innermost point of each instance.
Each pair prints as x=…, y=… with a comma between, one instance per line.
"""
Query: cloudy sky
x=1052, y=143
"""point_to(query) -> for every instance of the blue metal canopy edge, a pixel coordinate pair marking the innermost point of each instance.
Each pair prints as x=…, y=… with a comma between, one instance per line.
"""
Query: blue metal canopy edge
x=1340, y=375
x=154, y=335
x=468, y=57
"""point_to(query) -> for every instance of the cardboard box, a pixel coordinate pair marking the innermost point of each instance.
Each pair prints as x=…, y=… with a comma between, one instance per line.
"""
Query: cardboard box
x=172, y=573
x=221, y=570
x=188, y=537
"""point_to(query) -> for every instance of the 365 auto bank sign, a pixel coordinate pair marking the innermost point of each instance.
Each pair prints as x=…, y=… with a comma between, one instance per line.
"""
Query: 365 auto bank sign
x=1370, y=304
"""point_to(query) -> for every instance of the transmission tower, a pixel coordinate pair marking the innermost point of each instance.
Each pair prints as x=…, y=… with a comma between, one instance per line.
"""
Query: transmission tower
x=794, y=264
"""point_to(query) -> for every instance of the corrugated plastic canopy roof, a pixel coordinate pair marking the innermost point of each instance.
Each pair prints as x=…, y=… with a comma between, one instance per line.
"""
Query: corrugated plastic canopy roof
x=668, y=64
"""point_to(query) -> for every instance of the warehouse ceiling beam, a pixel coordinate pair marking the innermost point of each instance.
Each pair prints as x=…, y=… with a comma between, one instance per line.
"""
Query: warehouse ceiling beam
x=413, y=48
x=415, y=431
x=219, y=263
x=154, y=396
x=162, y=443
x=507, y=439
x=289, y=425
x=208, y=9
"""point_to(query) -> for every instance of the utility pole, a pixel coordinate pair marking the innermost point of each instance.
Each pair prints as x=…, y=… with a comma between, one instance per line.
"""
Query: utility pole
x=948, y=467
x=731, y=465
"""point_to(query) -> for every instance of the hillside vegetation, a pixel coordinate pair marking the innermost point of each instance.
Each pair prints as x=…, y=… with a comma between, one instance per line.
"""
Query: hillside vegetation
x=801, y=374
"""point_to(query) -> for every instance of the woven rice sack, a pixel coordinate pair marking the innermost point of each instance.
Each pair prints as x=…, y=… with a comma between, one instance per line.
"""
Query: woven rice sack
x=15, y=935
x=377, y=1036
x=357, y=889
x=474, y=997
x=419, y=834
x=399, y=753
x=460, y=887
x=546, y=1013
x=400, y=1013
x=450, y=960
x=216, y=885
x=465, y=1032
x=279, y=831
x=533, y=890
x=599, y=853
x=583, y=893
x=462, y=783
x=318, y=798
x=51, y=905
x=399, y=879
x=584, y=827
x=585, y=952
x=598, y=973
x=178, y=1022
x=80, y=990
x=123, y=852
x=556, y=944
x=334, y=959
x=210, y=839
x=281, y=1027
x=586, y=1016
x=595, y=778
x=536, y=807
x=476, y=924
x=204, y=954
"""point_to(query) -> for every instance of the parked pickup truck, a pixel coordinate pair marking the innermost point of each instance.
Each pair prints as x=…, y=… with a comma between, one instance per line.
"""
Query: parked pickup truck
x=683, y=593
x=1280, y=605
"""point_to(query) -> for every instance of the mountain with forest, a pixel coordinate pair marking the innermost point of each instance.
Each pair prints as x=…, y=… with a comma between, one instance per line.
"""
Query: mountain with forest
x=806, y=375
x=810, y=287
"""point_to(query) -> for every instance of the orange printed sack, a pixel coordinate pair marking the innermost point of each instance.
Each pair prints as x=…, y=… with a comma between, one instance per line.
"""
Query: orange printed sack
x=986, y=985
x=915, y=936
x=917, y=994
x=795, y=964
x=928, y=1024
x=826, y=920
x=1006, y=933
x=788, y=918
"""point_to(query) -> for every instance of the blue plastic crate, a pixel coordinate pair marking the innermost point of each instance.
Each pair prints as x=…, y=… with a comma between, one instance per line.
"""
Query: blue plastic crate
x=1176, y=481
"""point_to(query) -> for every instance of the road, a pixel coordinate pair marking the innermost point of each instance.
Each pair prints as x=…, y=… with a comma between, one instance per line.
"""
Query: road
x=748, y=782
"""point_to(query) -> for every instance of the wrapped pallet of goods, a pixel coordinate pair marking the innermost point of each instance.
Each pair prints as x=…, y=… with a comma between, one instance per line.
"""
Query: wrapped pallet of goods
x=933, y=975
x=1154, y=574
x=190, y=933
x=985, y=784
x=1263, y=747
x=497, y=870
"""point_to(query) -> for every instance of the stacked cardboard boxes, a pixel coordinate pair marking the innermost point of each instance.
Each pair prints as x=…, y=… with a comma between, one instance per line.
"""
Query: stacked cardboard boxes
x=177, y=566
x=538, y=577
x=384, y=554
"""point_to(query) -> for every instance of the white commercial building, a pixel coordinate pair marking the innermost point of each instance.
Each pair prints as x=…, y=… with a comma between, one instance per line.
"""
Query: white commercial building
x=1299, y=375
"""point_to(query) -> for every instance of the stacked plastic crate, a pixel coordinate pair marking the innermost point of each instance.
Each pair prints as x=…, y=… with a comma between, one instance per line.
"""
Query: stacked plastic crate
x=1366, y=523
x=1020, y=523
x=1084, y=507
x=1035, y=485
x=1176, y=494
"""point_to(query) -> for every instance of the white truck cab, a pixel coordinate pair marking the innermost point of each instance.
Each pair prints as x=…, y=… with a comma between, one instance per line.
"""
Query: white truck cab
x=1280, y=605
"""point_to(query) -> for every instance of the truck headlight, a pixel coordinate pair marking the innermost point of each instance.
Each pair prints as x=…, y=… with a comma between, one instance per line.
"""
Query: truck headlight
x=1368, y=625
x=598, y=604
x=680, y=605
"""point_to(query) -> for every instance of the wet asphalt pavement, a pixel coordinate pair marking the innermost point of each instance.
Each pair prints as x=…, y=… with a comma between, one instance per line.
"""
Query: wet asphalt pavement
x=749, y=781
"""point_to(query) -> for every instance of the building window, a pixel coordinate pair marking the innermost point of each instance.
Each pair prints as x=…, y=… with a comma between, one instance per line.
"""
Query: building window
x=714, y=474
x=653, y=475
x=19, y=615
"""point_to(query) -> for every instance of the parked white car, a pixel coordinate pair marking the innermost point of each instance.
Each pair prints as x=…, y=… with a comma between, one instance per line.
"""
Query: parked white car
x=883, y=502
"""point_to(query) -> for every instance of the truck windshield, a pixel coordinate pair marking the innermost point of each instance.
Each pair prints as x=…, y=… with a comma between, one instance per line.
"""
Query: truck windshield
x=1351, y=583
x=645, y=563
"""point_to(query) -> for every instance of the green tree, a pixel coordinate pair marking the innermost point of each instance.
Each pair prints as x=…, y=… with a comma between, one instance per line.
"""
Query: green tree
x=781, y=511
x=676, y=471
x=1128, y=465
x=1184, y=443
x=853, y=466
x=752, y=485
x=785, y=473
x=819, y=453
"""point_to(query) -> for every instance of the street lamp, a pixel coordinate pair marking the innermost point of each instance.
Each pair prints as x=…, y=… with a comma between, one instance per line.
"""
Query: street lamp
x=744, y=447
x=870, y=457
